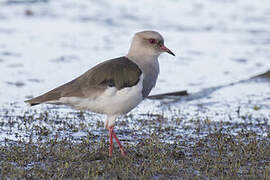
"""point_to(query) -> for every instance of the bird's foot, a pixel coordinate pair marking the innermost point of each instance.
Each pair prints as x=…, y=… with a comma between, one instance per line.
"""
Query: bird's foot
x=113, y=135
x=123, y=152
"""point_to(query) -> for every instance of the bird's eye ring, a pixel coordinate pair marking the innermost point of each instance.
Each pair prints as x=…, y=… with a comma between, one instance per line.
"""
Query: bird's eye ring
x=152, y=41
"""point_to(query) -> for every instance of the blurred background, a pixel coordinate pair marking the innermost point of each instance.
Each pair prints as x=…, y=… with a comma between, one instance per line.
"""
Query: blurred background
x=45, y=43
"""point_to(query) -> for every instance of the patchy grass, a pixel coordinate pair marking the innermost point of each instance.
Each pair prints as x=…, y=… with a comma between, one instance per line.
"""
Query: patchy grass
x=203, y=150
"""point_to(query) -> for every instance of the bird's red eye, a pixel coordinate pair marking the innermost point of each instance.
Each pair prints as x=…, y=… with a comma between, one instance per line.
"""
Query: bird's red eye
x=152, y=41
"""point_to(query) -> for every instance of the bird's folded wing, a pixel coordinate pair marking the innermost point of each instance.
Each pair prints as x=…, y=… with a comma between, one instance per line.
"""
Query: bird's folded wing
x=119, y=73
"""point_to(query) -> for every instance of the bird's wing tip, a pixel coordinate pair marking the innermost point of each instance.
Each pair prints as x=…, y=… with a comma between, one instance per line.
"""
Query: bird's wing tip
x=30, y=103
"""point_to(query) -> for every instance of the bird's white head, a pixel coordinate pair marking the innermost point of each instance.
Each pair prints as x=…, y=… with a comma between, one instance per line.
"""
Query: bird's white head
x=148, y=43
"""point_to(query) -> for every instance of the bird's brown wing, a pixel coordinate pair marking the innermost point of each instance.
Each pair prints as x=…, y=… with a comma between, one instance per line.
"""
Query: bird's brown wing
x=120, y=73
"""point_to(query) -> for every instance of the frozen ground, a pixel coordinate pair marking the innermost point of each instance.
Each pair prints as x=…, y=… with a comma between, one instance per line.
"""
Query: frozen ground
x=47, y=43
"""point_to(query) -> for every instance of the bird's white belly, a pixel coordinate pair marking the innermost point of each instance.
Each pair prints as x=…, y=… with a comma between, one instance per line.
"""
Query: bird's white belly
x=111, y=101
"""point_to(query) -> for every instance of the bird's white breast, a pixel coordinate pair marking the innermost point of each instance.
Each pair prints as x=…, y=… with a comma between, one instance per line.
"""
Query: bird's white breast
x=111, y=101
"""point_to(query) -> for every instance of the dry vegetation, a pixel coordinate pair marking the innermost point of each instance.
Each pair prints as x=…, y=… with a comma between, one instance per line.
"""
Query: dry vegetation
x=214, y=150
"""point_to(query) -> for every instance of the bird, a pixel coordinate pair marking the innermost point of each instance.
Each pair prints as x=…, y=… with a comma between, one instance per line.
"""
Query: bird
x=113, y=87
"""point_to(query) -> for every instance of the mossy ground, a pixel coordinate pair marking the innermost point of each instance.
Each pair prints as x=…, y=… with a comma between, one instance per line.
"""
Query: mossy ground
x=204, y=150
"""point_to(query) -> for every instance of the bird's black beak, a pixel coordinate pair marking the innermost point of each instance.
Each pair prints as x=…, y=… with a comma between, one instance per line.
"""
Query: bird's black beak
x=165, y=49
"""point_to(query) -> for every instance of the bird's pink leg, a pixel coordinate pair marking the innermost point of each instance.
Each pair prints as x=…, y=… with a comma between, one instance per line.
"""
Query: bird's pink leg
x=111, y=141
x=123, y=152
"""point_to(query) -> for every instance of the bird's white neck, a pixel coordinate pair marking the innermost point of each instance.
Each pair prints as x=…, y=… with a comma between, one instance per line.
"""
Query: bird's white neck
x=146, y=58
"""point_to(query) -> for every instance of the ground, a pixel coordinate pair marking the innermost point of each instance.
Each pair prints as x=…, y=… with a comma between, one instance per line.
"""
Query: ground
x=213, y=151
